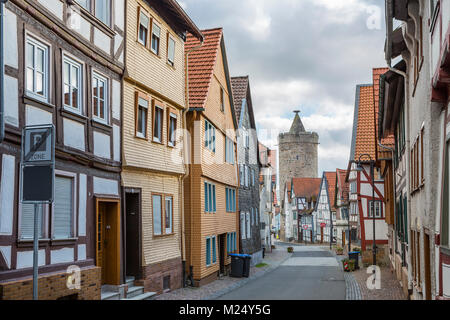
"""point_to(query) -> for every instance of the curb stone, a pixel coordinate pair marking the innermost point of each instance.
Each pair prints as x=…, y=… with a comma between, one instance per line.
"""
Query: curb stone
x=352, y=289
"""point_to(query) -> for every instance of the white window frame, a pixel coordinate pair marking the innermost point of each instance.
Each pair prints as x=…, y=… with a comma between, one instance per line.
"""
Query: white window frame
x=169, y=61
x=144, y=42
x=161, y=125
x=72, y=176
x=73, y=63
x=145, y=128
x=38, y=43
x=170, y=229
x=99, y=77
x=171, y=142
x=159, y=38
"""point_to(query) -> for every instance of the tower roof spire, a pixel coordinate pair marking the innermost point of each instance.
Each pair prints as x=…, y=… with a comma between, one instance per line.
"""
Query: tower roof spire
x=297, y=125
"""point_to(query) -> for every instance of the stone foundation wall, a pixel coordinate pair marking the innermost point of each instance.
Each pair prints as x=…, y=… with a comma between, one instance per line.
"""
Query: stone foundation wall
x=153, y=276
x=54, y=286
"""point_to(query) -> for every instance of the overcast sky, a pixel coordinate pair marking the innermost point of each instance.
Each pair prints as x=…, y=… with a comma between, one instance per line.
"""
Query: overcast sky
x=301, y=54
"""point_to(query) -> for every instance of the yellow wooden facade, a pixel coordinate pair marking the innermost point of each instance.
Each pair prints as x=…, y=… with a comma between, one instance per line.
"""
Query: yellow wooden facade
x=210, y=167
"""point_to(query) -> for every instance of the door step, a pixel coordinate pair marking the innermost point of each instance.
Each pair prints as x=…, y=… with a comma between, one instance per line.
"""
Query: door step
x=143, y=296
x=134, y=291
x=130, y=281
x=110, y=295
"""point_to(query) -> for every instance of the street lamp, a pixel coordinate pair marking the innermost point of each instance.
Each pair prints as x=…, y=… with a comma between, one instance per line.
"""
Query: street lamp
x=361, y=168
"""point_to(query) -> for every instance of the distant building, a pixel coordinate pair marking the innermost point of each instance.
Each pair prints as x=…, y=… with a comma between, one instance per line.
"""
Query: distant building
x=266, y=192
x=324, y=215
x=342, y=224
x=298, y=157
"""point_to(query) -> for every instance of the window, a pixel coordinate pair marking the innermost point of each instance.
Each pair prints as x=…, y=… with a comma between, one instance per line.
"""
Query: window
x=378, y=208
x=252, y=216
x=141, y=116
x=144, y=23
x=63, y=208
x=85, y=4
x=168, y=215
x=102, y=10
x=247, y=221
x=157, y=211
x=158, y=117
x=243, y=230
x=156, y=34
x=222, y=100
x=230, y=199
x=301, y=203
x=27, y=221
x=214, y=253
x=208, y=251
x=210, y=197
x=246, y=138
x=246, y=175
x=172, y=130
x=353, y=187
x=170, y=50
x=100, y=98
x=229, y=150
x=210, y=136
x=433, y=12
x=37, y=69
x=241, y=174
x=231, y=242
x=72, y=83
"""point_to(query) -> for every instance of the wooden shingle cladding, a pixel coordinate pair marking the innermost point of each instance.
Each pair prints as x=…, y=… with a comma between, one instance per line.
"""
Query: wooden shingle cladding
x=87, y=151
x=155, y=166
x=206, y=165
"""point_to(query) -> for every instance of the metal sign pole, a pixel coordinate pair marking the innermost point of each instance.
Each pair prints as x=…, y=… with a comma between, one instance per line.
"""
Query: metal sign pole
x=36, y=251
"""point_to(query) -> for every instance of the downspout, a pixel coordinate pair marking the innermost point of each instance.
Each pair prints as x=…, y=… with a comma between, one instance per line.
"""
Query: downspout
x=186, y=174
x=2, y=72
x=394, y=189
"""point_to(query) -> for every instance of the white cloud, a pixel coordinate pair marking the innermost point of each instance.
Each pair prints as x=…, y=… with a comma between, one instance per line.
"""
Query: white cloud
x=255, y=19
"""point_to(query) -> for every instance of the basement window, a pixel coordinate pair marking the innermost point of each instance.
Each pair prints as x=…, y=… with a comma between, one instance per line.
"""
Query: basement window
x=166, y=283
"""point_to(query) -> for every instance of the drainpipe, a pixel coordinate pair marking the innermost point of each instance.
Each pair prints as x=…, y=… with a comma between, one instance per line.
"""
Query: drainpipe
x=2, y=72
x=395, y=191
x=186, y=174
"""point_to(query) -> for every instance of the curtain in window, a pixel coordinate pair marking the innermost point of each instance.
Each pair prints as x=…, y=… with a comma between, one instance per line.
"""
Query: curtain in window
x=157, y=228
x=27, y=222
x=63, y=208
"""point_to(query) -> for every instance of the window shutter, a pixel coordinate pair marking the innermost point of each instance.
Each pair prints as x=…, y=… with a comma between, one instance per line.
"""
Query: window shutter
x=242, y=225
x=63, y=208
x=27, y=222
x=248, y=224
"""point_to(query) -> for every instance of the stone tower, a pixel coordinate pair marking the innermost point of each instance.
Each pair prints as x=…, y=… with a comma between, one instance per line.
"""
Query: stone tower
x=298, y=152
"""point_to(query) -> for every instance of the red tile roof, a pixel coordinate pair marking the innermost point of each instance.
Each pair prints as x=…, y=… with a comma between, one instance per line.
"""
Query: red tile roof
x=306, y=187
x=201, y=65
x=331, y=180
x=376, y=74
x=343, y=186
x=365, y=131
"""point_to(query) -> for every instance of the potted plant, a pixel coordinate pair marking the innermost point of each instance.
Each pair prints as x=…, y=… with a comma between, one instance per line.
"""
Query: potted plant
x=339, y=250
x=351, y=265
x=345, y=265
x=290, y=249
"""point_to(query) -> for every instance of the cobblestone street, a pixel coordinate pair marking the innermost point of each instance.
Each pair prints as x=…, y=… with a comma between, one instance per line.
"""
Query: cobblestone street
x=226, y=284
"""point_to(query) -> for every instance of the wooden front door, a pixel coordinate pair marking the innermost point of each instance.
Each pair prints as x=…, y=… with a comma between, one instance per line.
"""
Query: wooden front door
x=108, y=240
x=343, y=238
x=133, y=234
x=321, y=234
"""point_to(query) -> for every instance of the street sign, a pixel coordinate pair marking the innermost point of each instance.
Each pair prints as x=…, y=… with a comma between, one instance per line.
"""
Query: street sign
x=38, y=164
x=305, y=227
x=323, y=225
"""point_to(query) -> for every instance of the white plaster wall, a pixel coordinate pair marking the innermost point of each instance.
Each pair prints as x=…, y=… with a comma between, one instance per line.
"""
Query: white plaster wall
x=36, y=116
x=102, y=145
x=446, y=280
x=106, y=186
x=116, y=99
x=116, y=141
x=81, y=252
x=7, y=188
x=25, y=259
x=74, y=134
x=11, y=101
x=82, y=194
x=381, y=230
x=102, y=41
x=62, y=255
x=54, y=6
x=10, y=49
x=5, y=251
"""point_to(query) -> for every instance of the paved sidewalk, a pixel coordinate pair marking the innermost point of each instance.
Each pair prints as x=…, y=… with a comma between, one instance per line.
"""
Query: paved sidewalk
x=352, y=288
x=226, y=284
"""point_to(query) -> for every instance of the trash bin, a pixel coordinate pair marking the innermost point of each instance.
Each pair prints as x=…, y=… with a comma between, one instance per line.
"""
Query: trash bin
x=354, y=256
x=246, y=258
x=237, y=265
